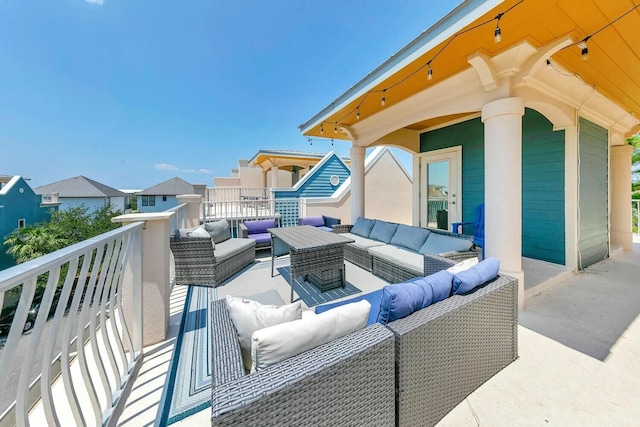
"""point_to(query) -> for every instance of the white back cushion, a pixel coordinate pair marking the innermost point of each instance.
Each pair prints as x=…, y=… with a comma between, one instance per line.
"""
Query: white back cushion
x=276, y=343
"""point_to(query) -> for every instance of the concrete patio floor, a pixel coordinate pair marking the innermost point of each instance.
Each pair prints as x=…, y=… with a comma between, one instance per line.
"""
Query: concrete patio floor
x=579, y=347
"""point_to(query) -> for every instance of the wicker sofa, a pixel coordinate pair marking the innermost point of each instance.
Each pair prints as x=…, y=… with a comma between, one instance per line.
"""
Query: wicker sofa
x=433, y=359
x=197, y=262
x=396, y=263
x=447, y=350
x=348, y=381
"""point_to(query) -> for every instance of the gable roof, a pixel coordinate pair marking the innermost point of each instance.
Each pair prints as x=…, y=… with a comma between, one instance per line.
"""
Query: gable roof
x=171, y=187
x=79, y=186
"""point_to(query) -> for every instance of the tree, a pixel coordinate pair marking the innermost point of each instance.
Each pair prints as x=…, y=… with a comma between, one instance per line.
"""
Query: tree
x=65, y=228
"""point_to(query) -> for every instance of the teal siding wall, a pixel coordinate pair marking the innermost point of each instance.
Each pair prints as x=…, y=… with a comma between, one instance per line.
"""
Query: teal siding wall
x=470, y=135
x=543, y=215
x=543, y=233
x=593, y=242
x=14, y=206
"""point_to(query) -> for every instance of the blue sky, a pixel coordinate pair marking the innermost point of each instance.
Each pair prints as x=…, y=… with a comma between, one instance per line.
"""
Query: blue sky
x=131, y=92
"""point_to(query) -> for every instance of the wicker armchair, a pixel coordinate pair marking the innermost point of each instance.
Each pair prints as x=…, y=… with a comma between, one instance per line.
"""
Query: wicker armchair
x=197, y=263
x=447, y=350
x=349, y=381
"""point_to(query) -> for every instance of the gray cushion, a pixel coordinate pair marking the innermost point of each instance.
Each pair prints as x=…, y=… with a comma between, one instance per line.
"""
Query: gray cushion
x=219, y=230
x=403, y=257
x=383, y=231
x=231, y=247
x=438, y=243
x=410, y=237
x=362, y=242
x=362, y=227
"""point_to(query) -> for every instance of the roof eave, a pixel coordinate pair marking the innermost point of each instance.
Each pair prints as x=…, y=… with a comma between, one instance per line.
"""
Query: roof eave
x=454, y=21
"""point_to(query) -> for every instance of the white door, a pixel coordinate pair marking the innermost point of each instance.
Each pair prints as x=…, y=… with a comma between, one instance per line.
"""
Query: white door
x=441, y=188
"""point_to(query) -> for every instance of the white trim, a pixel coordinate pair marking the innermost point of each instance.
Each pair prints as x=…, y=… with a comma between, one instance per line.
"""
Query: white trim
x=7, y=187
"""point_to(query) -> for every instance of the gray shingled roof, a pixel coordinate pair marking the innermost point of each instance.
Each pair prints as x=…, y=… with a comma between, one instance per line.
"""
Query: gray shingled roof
x=171, y=187
x=79, y=186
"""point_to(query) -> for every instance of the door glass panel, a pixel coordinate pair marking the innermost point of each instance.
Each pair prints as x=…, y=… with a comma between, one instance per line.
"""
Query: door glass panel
x=438, y=194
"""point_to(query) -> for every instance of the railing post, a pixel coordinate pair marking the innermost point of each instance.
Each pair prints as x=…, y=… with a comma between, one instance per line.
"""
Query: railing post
x=155, y=273
x=193, y=201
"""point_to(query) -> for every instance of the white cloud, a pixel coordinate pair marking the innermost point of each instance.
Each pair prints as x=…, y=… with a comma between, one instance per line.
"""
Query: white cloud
x=95, y=1
x=168, y=167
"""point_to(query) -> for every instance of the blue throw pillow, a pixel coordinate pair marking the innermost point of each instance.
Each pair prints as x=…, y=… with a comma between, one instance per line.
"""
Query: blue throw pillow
x=441, y=283
x=374, y=299
x=439, y=243
x=478, y=275
x=400, y=300
x=383, y=231
x=259, y=226
x=410, y=237
x=362, y=227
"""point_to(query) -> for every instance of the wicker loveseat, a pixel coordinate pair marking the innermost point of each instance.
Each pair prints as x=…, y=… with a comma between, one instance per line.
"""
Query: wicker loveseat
x=433, y=359
x=348, y=381
x=397, y=262
x=197, y=262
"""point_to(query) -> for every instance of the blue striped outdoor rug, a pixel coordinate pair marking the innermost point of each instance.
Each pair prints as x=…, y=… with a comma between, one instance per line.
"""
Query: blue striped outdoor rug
x=189, y=385
x=311, y=295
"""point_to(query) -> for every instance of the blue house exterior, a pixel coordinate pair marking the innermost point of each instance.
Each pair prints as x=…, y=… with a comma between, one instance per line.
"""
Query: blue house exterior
x=20, y=206
x=322, y=181
x=162, y=196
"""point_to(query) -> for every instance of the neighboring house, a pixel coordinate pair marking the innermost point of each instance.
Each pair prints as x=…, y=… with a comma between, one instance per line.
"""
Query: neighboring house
x=20, y=206
x=270, y=169
x=162, y=196
x=525, y=124
x=81, y=190
x=385, y=180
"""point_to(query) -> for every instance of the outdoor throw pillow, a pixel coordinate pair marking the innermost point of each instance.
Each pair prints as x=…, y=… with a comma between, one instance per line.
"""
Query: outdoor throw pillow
x=197, y=231
x=316, y=221
x=439, y=243
x=463, y=265
x=249, y=316
x=277, y=343
x=401, y=299
x=477, y=275
x=219, y=230
x=362, y=227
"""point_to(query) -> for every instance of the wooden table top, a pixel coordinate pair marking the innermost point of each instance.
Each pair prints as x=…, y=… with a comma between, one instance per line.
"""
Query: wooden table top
x=306, y=237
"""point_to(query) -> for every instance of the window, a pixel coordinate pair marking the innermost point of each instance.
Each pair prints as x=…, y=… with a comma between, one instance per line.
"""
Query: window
x=164, y=198
x=22, y=222
x=148, y=200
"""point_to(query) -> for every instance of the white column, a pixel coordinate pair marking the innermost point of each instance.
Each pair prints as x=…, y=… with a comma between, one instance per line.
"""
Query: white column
x=503, y=186
x=357, y=182
x=274, y=176
x=155, y=273
x=194, y=205
x=620, y=170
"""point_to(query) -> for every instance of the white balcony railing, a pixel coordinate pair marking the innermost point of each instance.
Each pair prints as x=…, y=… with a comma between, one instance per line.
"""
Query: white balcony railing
x=635, y=209
x=86, y=340
x=229, y=194
x=236, y=211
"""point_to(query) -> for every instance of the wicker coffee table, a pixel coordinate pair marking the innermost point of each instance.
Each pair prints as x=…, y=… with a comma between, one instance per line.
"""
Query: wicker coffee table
x=316, y=255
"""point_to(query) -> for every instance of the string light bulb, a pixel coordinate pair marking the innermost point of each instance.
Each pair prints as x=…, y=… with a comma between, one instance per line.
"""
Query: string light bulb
x=549, y=63
x=383, y=100
x=584, y=48
x=335, y=128
x=358, y=113
x=322, y=129
x=430, y=72
x=497, y=34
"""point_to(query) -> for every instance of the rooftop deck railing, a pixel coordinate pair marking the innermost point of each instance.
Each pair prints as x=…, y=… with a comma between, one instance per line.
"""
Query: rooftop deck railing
x=80, y=355
x=237, y=211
